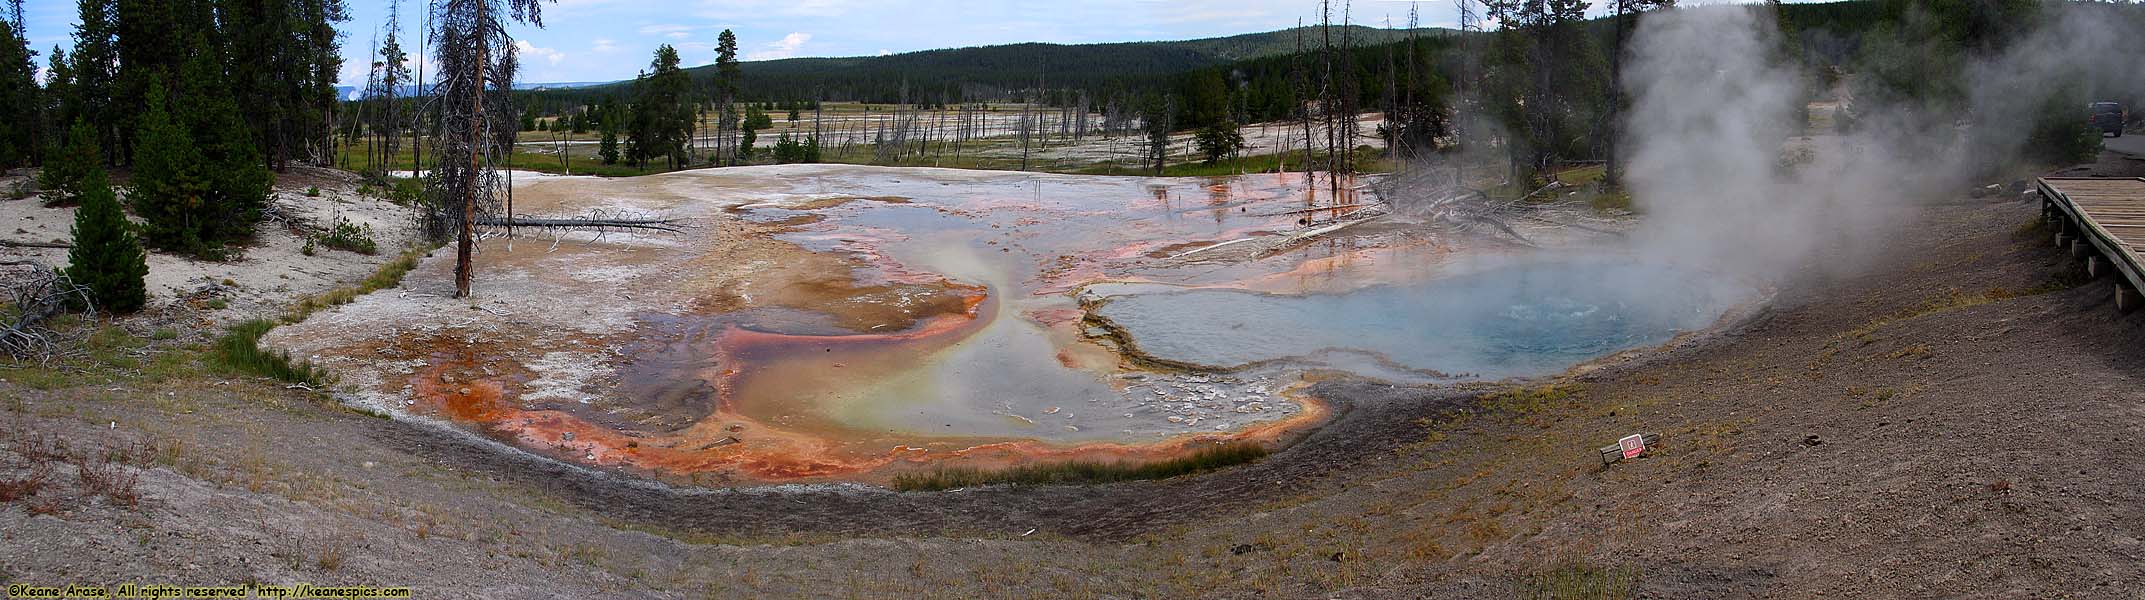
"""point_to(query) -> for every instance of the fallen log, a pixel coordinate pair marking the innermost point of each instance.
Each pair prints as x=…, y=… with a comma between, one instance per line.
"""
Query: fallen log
x=1209, y=247
x=1294, y=240
x=16, y=244
x=669, y=225
x=1312, y=210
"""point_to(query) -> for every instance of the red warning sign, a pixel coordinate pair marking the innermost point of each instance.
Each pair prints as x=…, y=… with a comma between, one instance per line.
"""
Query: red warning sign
x=1633, y=445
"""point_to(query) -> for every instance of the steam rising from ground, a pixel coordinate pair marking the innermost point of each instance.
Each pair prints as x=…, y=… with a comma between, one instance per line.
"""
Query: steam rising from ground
x=1715, y=104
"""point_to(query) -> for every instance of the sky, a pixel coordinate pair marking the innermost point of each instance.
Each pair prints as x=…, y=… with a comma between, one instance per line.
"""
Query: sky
x=608, y=40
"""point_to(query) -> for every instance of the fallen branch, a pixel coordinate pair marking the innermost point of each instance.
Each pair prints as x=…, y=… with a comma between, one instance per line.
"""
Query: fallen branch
x=46, y=294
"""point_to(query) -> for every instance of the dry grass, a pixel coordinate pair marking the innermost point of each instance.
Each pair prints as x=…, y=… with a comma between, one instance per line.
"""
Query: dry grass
x=1074, y=472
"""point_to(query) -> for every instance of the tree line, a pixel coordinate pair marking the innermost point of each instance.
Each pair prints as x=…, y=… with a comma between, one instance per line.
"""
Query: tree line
x=156, y=86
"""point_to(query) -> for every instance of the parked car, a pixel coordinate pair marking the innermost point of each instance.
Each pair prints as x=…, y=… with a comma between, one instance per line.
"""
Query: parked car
x=2109, y=117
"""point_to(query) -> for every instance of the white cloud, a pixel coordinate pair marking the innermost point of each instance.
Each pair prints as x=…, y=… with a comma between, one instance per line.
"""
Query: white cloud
x=602, y=45
x=549, y=55
x=672, y=30
x=754, y=9
x=885, y=52
x=782, y=48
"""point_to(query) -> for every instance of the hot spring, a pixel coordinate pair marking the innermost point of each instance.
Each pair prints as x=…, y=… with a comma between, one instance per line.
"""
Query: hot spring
x=838, y=322
x=1526, y=319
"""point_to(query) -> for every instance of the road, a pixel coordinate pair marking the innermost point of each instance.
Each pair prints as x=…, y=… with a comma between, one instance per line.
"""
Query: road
x=2131, y=144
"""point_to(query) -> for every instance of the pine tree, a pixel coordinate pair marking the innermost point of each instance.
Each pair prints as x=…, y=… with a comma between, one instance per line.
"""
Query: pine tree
x=171, y=189
x=662, y=121
x=728, y=76
x=69, y=170
x=91, y=73
x=21, y=101
x=106, y=256
x=608, y=149
x=238, y=178
x=745, y=140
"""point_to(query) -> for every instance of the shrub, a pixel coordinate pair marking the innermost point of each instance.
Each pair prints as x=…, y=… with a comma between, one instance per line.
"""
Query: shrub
x=312, y=192
x=346, y=236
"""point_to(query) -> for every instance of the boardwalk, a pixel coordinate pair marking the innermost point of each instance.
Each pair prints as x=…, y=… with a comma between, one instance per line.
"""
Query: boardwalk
x=2102, y=220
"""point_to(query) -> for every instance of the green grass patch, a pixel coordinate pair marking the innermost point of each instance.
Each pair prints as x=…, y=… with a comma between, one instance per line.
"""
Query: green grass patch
x=1531, y=400
x=239, y=351
x=1578, y=176
x=1081, y=471
x=1954, y=299
x=389, y=275
x=1578, y=581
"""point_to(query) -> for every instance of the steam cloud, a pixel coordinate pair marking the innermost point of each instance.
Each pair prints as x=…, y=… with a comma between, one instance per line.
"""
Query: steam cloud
x=1718, y=164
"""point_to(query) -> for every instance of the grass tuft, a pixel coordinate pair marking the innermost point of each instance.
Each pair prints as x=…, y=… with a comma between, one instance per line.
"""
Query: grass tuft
x=1082, y=471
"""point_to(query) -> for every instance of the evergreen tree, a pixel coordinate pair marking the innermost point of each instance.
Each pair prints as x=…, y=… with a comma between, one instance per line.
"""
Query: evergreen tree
x=106, y=256
x=238, y=178
x=287, y=77
x=21, y=101
x=608, y=149
x=67, y=171
x=728, y=77
x=746, y=138
x=1218, y=140
x=171, y=187
x=90, y=75
x=150, y=40
x=787, y=150
x=59, y=89
x=662, y=120
x=811, y=149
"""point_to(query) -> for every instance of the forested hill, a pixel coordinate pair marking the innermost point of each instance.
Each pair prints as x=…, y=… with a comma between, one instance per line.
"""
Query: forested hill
x=989, y=70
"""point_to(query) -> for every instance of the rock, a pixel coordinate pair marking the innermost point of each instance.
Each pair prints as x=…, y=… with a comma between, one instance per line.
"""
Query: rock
x=1811, y=440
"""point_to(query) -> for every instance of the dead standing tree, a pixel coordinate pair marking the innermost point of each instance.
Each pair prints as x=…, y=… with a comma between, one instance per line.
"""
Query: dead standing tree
x=476, y=60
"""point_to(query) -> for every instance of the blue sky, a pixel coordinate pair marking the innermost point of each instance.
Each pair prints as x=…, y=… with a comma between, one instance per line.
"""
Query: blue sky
x=604, y=40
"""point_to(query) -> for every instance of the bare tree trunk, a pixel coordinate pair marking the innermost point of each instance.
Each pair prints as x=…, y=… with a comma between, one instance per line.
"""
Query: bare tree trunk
x=465, y=234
